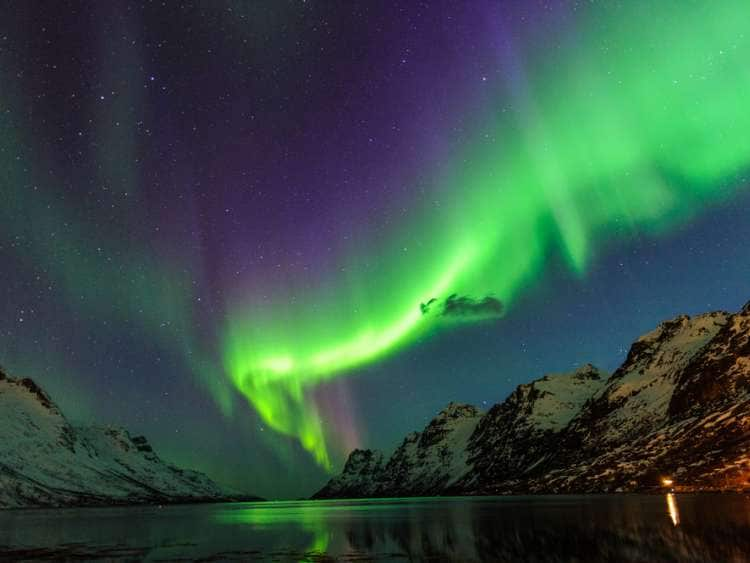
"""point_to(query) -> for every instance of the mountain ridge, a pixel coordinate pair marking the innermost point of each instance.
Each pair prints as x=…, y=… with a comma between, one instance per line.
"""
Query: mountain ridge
x=47, y=461
x=677, y=407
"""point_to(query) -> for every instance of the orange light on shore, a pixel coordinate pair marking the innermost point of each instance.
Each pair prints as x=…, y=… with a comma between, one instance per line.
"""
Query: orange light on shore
x=667, y=482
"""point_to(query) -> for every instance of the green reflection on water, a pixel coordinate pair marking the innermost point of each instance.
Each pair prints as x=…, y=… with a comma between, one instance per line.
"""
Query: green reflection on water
x=310, y=517
x=269, y=514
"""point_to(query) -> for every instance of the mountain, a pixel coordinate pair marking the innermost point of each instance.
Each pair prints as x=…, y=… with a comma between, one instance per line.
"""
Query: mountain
x=425, y=463
x=678, y=407
x=520, y=433
x=46, y=461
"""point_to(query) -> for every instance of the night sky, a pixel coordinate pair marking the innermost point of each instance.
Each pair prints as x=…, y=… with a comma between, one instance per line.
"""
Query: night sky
x=219, y=219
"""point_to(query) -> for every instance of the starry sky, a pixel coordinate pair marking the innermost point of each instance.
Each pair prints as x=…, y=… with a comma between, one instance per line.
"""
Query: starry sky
x=266, y=233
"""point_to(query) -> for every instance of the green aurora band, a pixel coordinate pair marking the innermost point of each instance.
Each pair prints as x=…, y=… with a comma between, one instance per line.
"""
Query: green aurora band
x=640, y=119
x=637, y=121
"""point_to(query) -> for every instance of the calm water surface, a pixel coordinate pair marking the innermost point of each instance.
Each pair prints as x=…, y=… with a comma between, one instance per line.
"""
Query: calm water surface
x=541, y=528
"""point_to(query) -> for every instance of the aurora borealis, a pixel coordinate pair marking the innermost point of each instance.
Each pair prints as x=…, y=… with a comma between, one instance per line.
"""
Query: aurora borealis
x=220, y=220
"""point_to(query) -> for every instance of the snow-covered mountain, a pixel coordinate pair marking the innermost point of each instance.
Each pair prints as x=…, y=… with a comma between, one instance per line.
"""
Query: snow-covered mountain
x=45, y=461
x=425, y=463
x=679, y=406
x=521, y=432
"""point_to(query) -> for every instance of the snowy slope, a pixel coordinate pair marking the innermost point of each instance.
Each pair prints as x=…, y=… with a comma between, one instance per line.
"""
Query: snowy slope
x=45, y=461
x=561, y=396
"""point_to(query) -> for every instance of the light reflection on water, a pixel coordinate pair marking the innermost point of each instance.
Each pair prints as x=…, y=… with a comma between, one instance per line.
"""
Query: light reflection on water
x=673, y=509
x=538, y=528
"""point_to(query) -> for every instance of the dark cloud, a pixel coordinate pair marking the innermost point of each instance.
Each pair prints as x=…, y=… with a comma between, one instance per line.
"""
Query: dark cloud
x=425, y=307
x=462, y=307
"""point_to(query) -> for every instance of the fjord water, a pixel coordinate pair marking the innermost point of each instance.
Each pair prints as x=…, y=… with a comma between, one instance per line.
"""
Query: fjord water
x=539, y=528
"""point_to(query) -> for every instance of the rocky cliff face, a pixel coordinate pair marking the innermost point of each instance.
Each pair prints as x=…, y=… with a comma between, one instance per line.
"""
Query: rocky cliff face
x=679, y=406
x=46, y=461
